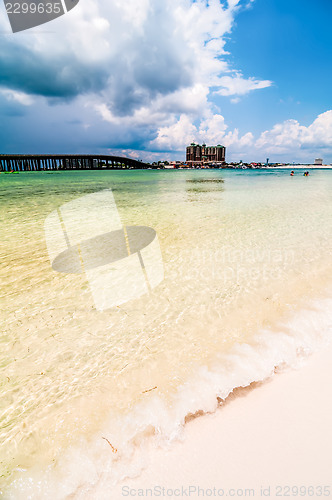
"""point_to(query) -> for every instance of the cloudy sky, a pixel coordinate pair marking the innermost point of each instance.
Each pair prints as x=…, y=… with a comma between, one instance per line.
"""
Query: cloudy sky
x=144, y=78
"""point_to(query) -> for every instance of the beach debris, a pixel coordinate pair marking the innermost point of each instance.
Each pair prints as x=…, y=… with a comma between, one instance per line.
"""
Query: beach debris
x=112, y=447
x=125, y=366
x=149, y=390
x=53, y=336
x=122, y=310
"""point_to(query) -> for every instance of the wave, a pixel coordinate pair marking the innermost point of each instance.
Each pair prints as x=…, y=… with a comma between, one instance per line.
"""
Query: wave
x=122, y=447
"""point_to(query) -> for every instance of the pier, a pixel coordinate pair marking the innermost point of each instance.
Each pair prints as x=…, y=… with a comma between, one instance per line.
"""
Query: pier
x=26, y=163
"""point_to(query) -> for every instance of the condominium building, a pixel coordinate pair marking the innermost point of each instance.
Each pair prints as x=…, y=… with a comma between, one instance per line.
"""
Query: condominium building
x=205, y=154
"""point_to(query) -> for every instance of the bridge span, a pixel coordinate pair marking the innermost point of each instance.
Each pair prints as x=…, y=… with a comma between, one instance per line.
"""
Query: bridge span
x=24, y=162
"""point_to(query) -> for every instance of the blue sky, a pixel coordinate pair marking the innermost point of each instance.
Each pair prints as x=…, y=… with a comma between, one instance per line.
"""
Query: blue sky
x=288, y=42
x=143, y=78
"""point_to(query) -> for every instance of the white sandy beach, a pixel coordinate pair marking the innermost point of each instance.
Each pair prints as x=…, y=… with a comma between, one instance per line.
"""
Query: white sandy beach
x=303, y=167
x=277, y=435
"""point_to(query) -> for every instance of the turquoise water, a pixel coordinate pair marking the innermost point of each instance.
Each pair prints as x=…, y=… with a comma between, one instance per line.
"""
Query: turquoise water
x=243, y=251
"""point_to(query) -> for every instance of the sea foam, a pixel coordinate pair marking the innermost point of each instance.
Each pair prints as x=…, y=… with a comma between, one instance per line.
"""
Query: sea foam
x=90, y=468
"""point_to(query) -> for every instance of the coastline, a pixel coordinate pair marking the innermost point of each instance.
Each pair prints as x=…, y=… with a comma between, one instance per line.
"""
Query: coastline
x=170, y=167
x=263, y=437
x=302, y=167
x=273, y=436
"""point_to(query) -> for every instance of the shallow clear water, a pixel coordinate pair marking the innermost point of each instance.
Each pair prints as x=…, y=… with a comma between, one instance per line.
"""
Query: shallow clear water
x=243, y=253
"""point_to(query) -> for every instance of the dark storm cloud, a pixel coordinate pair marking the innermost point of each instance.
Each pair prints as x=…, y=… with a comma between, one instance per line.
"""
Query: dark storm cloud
x=129, y=69
x=33, y=73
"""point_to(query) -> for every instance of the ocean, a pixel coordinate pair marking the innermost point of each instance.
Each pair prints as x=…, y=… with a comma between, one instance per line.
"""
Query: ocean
x=246, y=292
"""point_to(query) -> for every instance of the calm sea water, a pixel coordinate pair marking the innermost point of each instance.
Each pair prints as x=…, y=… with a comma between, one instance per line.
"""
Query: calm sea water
x=248, y=275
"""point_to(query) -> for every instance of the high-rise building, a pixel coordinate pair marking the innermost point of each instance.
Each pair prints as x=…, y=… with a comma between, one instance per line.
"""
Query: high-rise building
x=205, y=154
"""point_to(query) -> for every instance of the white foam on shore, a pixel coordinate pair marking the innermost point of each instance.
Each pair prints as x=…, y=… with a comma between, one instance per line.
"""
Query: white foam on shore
x=90, y=469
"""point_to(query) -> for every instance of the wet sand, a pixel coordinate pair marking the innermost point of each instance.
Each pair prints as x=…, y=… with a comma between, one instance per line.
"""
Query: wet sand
x=275, y=435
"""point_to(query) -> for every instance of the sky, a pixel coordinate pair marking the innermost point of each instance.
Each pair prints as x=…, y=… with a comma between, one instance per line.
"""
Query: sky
x=145, y=78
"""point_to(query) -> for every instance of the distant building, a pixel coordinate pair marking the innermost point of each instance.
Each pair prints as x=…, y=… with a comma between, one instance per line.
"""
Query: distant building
x=205, y=154
x=319, y=161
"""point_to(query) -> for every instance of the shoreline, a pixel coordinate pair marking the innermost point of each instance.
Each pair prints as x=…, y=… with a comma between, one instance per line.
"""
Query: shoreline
x=265, y=429
x=311, y=168
x=152, y=167
x=273, y=435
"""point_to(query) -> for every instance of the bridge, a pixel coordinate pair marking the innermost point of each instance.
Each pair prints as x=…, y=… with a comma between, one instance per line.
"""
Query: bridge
x=24, y=163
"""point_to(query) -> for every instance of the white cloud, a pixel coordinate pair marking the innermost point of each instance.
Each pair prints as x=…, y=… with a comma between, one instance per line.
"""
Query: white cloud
x=137, y=59
x=237, y=85
x=290, y=135
x=285, y=140
x=320, y=131
x=210, y=131
x=150, y=70
x=176, y=136
x=163, y=109
x=282, y=136
x=237, y=143
x=16, y=96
